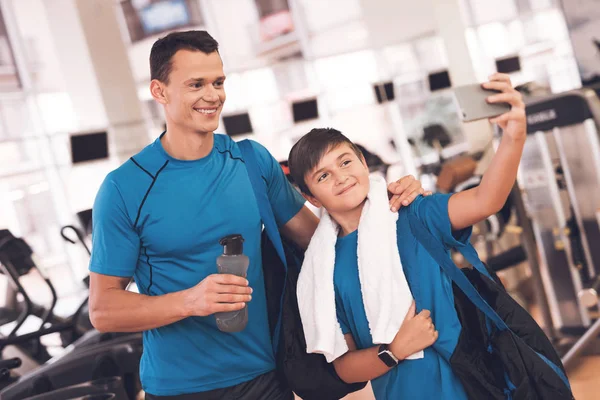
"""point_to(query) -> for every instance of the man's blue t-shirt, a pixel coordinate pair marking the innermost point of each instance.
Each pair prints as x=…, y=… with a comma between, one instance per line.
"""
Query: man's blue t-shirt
x=159, y=220
x=430, y=377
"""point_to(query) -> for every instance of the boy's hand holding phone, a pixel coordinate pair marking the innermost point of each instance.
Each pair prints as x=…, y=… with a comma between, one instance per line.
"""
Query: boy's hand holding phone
x=496, y=100
x=416, y=333
x=513, y=122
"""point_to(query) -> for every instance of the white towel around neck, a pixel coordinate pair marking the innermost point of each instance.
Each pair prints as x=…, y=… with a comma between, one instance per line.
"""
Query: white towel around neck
x=385, y=292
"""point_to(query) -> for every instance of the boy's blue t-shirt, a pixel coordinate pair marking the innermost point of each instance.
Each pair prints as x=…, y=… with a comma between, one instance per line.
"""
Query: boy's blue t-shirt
x=159, y=220
x=430, y=377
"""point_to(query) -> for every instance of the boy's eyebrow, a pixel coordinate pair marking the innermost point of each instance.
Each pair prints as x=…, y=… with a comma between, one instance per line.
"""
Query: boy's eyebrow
x=320, y=170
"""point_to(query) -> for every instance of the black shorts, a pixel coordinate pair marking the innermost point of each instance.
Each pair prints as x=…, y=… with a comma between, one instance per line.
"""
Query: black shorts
x=263, y=387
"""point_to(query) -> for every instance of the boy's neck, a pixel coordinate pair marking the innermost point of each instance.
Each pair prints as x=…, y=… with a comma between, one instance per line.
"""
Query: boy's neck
x=348, y=220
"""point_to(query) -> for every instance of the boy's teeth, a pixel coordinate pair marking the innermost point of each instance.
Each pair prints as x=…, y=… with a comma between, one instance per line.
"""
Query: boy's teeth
x=206, y=111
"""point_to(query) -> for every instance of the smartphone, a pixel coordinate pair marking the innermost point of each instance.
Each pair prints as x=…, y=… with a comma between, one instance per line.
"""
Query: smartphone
x=471, y=101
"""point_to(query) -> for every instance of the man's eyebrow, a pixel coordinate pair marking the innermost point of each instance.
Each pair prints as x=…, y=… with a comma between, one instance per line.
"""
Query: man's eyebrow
x=201, y=80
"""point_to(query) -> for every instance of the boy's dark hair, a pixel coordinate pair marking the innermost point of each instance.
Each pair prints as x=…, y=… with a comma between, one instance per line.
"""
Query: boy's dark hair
x=165, y=48
x=308, y=151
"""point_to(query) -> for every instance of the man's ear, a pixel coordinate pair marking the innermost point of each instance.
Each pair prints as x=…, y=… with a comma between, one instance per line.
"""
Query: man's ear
x=158, y=91
x=312, y=200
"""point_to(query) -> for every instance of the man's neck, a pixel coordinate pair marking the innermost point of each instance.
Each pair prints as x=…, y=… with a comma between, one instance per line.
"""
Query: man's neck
x=348, y=220
x=187, y=145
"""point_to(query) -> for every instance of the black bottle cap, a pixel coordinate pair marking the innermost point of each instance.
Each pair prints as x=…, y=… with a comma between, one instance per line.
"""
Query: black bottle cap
x=233, y=245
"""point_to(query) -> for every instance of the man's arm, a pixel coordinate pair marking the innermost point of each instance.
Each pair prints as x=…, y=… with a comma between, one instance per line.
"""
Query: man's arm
x=114, y=309
x=302, y=226
x=404, y=191
x=471, y=206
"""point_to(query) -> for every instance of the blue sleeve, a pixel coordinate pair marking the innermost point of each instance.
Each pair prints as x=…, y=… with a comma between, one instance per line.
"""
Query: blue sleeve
x=341, y=315
x=285, y=200
x=115, y=243
x=433, y=212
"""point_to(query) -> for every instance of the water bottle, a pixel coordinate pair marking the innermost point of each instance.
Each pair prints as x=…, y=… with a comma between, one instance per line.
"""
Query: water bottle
x=233, y=262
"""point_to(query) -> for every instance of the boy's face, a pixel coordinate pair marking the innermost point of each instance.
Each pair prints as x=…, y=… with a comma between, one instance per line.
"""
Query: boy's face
x=339, y=182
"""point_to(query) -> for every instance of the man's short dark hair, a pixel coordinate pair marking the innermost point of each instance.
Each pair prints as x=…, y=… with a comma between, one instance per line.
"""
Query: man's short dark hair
x=165, y=48
x=308, y=151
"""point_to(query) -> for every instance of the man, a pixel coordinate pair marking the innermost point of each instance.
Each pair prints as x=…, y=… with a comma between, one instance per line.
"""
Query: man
x=159, y=218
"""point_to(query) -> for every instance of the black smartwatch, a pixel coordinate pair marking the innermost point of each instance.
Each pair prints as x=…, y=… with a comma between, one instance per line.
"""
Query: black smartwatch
x=387, y=356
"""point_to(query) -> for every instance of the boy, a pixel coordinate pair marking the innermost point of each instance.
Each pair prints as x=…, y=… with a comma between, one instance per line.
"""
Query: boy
x=332, y=174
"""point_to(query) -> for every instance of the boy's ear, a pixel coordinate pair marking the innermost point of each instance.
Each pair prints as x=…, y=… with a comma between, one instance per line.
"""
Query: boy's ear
x=364, y=160
x=312, y=200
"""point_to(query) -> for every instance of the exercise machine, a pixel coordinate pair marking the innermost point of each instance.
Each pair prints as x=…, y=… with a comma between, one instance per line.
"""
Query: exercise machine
x=560, y=179
x=93, y=355
x=16, y=260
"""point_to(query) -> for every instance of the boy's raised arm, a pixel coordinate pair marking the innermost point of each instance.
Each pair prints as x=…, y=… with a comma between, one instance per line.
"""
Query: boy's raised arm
x=471, y=206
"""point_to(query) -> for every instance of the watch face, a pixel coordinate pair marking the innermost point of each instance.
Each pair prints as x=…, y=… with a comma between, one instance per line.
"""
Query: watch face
x=384, y=355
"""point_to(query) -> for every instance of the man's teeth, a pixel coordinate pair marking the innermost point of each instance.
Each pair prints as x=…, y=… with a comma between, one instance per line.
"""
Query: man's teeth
x=211, y=111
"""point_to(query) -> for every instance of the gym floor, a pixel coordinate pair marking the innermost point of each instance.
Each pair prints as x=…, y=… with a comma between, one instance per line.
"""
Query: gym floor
x=583, y=377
